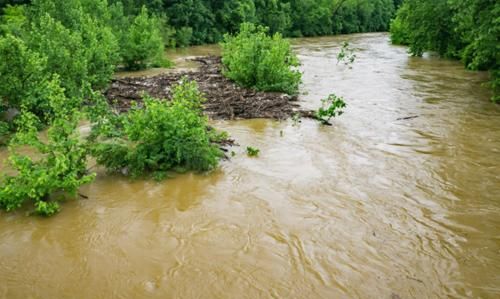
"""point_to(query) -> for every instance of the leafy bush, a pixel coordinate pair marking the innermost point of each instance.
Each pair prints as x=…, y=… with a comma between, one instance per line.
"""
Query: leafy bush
x=254, y=59
x=143, y=43
x=161, y=136
x=331, y=107
x=56, y=166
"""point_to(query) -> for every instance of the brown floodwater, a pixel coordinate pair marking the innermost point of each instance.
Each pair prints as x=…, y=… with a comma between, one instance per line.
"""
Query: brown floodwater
x=372, y=207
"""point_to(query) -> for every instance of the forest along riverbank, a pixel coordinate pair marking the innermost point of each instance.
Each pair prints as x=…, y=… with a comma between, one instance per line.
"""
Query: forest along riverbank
x=225, y=99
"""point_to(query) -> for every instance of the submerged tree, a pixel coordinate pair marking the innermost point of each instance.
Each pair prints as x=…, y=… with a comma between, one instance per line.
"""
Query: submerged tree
x=55, y=168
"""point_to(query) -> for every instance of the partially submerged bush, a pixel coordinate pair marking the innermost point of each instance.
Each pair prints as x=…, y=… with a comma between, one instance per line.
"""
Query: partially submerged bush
x=331, y=107
x=161, y=136
x=346, y=55
x=252, y=151
x=254, y=59
x=55, y=166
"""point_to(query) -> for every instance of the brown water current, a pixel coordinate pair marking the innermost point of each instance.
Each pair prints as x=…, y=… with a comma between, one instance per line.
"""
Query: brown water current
x=373, y=207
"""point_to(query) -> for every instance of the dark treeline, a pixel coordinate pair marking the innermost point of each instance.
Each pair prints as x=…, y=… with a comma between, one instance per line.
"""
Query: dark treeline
x=188, y=22
x=468, y=30
x=206, y=21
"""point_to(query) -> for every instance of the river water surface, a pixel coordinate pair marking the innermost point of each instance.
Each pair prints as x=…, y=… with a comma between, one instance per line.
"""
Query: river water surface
x=373, y=207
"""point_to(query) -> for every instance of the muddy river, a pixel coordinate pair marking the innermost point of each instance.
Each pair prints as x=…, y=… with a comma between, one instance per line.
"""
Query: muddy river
x=375, y=206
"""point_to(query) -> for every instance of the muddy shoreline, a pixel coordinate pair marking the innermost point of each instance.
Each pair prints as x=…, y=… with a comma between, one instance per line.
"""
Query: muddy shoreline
x=225, y=99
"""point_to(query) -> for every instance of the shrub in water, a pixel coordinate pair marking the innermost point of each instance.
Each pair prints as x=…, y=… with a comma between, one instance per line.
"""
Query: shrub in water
x=254, y=59
x=162, y=135
x=331, y=107
x=252, y=151
x=57, y=165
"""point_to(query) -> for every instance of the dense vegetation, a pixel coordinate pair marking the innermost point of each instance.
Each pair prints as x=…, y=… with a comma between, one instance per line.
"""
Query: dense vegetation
x=461, y=29
x=255, y=59
x=55, y=165
x=162, y=135
x=56, y=58
x=79, y=41
x=186, y=22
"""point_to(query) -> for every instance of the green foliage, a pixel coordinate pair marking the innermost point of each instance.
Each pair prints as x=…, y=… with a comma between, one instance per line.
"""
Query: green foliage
x=4, y=131
x=161, y=136
x=252, y=151
x=77, y=42
x=64, y=53
x=400, y=33
x=54, y=166
x=346, y=55
x=143, y=43
x=209, y=20
x=184, y=36
x=13, y=20
x=23, y=76
x=196, y=17
x=463, y=29
x=332, y=106
x=311, y=17
x=254, y=59
x=274, y=14
x=362, y=16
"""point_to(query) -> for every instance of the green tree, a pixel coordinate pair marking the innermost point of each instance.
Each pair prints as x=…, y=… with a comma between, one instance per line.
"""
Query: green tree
x=75, y=37
x=13, y=20
x=194, y=16
x=23, y=76
x=274, y=14
x=58, y=165
x=461, y=29
x=143, y=43
x=230, y=14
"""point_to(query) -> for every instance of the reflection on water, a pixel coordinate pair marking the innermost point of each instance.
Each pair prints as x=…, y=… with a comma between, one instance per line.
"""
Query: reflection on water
x=373, y=207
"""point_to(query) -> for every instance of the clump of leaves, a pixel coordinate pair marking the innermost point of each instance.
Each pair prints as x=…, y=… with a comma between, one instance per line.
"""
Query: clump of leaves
x=162, y=135
x=346, y=55
x=255, y=59
x=332, y=106
x=55, y=166
x=252, y=151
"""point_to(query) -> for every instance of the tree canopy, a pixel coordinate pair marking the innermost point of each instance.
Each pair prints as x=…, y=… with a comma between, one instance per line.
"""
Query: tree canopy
x=462, y=29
